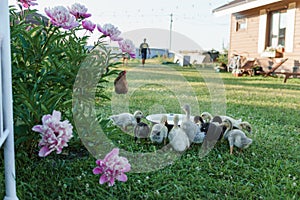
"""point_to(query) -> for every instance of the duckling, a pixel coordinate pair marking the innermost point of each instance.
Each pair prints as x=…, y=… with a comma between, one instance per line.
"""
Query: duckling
x=174, y=129
x=198, y=120
x=200, y=135
x=247, y=126
x=124, y=120
x=206, y=116
x=141, y=129
x=235, y=137
x=177, y=137
x=159, y=132
x=213, y=133
x=237, y=124
x=187, y=125
x=216, y=121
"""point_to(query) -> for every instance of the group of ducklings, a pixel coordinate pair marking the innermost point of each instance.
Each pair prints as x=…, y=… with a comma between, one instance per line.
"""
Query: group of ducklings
x=188, y=132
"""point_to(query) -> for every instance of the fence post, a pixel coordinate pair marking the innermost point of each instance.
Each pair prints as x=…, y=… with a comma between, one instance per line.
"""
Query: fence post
x=9, y=153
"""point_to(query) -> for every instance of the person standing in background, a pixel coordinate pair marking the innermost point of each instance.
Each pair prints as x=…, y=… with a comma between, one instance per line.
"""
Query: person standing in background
x=144, y=47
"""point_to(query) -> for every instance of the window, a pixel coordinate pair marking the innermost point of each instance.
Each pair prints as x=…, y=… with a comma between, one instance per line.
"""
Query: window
x=277, y=28
x=241, y=24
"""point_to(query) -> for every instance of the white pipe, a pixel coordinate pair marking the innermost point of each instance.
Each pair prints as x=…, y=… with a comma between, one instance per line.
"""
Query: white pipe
x=2, y=138
x=9, y=153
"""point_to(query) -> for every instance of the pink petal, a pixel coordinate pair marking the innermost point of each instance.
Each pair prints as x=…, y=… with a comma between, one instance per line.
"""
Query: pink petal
x=45, y=118
x=79, y=11
x=100, y=29
x=38, y=128
x=110, y=31
x=98, y=162
x=45, y=151
x=127, y=168
x=111, y=154
x=86, y=15
x=122, y=177
x=103, y=179
x=127, y=46
x=97, y=170
x=28, y=3
x=56, y=115
x=111, y=181
x=88, y=25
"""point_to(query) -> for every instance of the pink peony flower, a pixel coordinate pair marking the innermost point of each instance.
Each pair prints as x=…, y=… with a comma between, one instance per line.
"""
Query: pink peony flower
x=61, y=17
x=79, y=11
x=110, y=31
x=88, y=25
x=127, y=46
x=28, y=3
x=112, y=167
x=55, y=134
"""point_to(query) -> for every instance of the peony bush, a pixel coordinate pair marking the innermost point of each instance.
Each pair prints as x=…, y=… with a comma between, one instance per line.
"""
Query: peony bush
x=46, y=56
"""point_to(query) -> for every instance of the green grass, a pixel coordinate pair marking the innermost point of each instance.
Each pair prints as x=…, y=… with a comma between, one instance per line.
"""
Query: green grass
x=268, y=169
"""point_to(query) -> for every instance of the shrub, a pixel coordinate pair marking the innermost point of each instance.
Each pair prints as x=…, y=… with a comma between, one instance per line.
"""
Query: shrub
x=45, y=60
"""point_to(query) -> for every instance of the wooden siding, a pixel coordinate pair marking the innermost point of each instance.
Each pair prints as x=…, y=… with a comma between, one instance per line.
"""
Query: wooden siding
x=245, y=42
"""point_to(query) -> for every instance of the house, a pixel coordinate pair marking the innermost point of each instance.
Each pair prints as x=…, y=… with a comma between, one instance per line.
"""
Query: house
x=265, y=30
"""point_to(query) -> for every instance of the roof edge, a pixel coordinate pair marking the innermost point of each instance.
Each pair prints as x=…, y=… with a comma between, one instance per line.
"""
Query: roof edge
x=241, y=6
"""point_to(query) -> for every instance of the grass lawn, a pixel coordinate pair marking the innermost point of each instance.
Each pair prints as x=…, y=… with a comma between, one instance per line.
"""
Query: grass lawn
x=268, y=169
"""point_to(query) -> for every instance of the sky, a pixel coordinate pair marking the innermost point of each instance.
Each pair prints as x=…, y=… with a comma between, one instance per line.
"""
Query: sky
x=193, y=24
